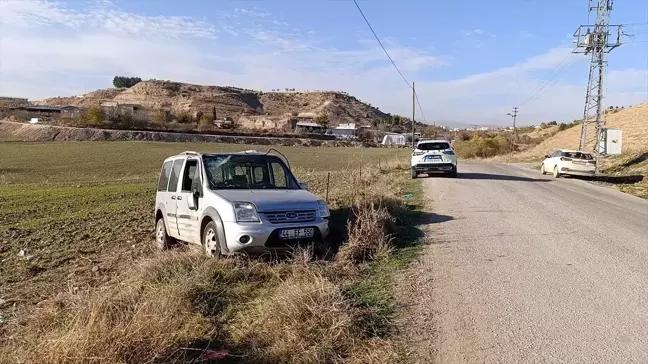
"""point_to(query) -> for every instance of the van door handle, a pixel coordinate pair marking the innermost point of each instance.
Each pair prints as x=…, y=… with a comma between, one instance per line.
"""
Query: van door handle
x=173, y=197
x=179, y=197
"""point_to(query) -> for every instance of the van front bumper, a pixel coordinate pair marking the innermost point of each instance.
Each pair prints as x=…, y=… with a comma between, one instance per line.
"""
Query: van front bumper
x=265, y=236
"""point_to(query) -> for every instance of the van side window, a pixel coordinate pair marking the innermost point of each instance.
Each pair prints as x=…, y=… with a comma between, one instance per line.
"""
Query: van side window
x=175, y=173
x=279, y=175
x=164, y=176
x=189, y=174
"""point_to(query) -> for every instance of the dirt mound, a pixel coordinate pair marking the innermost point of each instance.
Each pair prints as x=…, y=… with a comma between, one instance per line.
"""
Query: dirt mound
x=633, y=121
x=230, y=102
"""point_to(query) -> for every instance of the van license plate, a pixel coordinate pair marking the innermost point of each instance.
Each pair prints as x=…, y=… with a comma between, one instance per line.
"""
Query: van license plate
x=297, y=233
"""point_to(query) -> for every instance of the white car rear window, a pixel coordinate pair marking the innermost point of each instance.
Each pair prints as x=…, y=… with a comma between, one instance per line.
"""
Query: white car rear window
x=433, y=146
x=578, y=155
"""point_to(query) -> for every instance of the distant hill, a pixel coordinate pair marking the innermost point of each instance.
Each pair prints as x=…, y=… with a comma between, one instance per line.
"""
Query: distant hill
x=237, y=103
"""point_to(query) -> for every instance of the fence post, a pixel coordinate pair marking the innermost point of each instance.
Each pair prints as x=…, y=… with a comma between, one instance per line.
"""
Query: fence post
x=328, y=181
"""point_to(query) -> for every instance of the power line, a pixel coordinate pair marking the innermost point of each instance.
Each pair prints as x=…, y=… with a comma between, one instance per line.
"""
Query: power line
x=392, y=62
x=419, y=106
x=553, y=81
x=541, y=84
x=381, y=44
x=548, y=83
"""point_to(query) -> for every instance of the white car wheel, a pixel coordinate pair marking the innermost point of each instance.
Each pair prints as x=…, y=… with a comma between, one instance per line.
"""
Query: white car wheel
x=556, y=174
x=542, y=170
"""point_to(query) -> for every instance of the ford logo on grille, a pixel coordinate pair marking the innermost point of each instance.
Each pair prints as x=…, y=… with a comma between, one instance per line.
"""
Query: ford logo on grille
x=291, y=215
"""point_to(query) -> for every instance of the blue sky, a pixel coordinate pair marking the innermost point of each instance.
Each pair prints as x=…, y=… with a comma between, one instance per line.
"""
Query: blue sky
x=471, y=60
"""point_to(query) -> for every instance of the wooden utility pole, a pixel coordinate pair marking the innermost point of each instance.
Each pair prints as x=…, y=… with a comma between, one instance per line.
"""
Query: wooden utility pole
x=514, y=115
x=413, y=114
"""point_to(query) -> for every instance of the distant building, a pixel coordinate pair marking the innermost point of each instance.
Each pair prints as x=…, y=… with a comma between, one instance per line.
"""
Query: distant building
x=348, y=130
x=122, y=109
x=309, y=127
x=70, y=111
x=13, y=101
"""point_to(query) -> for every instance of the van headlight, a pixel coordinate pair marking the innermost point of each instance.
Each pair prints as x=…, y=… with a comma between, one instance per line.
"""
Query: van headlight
x=245, y=212
x=323, y=208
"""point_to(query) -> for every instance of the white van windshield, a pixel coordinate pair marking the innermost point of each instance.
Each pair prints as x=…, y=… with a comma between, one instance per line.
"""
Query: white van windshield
x=247, y=172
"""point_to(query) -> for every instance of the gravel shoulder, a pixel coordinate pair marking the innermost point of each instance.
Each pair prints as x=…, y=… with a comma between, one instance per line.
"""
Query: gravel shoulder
x=529, y=269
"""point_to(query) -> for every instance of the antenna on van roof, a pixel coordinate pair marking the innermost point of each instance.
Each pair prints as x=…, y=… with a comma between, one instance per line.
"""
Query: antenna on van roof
x=284, y=157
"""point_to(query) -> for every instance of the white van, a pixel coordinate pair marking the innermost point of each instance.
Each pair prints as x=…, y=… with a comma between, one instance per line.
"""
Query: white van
x=236, y=202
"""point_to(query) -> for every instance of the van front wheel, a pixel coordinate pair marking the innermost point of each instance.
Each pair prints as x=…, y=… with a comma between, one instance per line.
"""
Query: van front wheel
x=210, y=240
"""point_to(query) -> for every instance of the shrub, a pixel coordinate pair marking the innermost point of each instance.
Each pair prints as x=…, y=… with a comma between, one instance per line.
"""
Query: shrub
x=160, y=116
x=95, y=116
x=483, y=147
x=322, y=120
x=184, y=117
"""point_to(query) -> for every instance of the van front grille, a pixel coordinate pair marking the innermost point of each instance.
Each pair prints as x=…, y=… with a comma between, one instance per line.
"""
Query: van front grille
x=283, y=217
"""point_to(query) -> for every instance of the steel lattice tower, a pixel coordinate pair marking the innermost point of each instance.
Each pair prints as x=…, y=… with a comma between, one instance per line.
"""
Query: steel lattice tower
x=594, y=40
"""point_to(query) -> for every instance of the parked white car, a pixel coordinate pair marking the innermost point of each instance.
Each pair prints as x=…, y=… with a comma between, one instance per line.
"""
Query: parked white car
x=569, y=162
x=432, y=156
x=236, y=202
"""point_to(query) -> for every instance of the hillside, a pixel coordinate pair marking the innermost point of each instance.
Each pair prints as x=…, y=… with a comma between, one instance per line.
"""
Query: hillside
x=633, y=121
x=253, y=106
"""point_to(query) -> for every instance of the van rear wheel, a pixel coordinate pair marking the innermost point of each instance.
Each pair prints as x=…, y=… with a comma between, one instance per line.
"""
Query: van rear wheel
x=210, y=241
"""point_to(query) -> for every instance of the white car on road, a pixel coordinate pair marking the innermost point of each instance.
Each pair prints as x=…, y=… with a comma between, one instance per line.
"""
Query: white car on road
x=569, y=162
x=431, y=156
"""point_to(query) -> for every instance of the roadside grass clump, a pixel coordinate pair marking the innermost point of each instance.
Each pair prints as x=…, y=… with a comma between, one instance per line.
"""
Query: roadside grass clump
x=369, y=237
x=307, y=319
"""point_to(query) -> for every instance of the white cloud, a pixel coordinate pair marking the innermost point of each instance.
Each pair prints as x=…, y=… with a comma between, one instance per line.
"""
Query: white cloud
x=526, y=35
x=49, y=49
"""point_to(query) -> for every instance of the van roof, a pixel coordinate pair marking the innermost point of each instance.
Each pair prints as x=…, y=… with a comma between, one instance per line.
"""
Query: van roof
x=246, y=152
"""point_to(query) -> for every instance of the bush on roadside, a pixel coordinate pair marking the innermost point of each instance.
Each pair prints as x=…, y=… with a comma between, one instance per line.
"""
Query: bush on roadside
x=369, y=237
x=483, y=147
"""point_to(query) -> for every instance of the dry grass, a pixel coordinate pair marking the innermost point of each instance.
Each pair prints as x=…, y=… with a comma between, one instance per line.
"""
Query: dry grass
x=151, y=311
x=173, y=307
x=369, y=235
x=306, y=320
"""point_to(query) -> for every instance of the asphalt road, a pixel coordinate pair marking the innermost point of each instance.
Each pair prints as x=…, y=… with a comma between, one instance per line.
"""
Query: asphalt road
x=524, y=268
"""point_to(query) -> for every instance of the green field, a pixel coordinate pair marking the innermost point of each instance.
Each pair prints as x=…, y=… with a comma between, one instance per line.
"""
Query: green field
x=80, y=210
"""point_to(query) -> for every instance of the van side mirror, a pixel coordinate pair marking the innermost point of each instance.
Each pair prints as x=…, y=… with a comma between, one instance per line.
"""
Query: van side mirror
x=196, y=188
x=303, y=186
x=547, y=156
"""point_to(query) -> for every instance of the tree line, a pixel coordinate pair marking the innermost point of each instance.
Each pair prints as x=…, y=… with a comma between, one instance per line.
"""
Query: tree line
x=121, y=81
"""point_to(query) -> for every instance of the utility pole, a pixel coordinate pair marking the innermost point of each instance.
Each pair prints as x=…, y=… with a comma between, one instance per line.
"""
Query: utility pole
x=514, y=115
x=413, y=114
x=594, y=39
